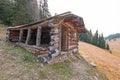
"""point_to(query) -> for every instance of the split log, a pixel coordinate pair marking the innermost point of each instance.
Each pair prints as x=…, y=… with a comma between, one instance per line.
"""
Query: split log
x=38, y=39
x=28, y=36
x=20, y=35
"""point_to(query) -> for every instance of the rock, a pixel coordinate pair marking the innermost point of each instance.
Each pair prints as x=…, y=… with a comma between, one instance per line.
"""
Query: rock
x=12, y=73
x=42, y=59
x=0, y=50
x=41, y=65
x=93, y=64
x=75, y=50
x=51, y=48
x=95, y=78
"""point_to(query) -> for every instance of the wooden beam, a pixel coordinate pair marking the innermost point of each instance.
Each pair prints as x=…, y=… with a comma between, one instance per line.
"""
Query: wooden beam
x=28, y=36
x=60, y=34
x=20, y=35
x=38, y=38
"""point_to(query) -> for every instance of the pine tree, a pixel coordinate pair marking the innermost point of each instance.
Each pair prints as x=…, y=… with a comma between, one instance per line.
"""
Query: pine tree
x=44, y=11
x=20, y=12
x=103, y=43
x=90, y=36
x=32, y=7
x=107, y=47
x=84, y=36
x=21, y=15
x=95, y=39
x=6, y=12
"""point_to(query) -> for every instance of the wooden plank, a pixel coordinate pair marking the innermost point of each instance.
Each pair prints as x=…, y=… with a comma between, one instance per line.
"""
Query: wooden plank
x=64, y=38
x=60, y=36
x=38, y=38
x=20, y=35
x=28, y=36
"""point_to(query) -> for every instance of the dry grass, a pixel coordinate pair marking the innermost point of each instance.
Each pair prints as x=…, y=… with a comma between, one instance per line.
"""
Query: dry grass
x=115, y=46
x=106, y=62
x=2, y=31
x=15, y=67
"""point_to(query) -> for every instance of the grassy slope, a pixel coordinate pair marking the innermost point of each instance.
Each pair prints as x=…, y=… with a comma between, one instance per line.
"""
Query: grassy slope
x=106, y=62
x=2, y=31
x=115, y=46
x=18, y=64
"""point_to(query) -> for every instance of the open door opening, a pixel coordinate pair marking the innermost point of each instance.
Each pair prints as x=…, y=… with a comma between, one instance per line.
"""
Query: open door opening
x=64, y=41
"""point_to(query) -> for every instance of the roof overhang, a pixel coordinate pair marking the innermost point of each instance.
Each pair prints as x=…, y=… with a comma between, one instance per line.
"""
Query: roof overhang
x=74, y=20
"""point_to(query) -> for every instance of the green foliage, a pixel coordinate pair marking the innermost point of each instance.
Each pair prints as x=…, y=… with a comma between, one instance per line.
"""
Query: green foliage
x=86, y=37
x=44, y=11
x=25, y=55
x=62, y=68
x=96, y=39
x=6, y=12
x=107, y=47
x=17, y=12
x=29, y=57
x=21, y=14
x=102, y=43
x=14, y=13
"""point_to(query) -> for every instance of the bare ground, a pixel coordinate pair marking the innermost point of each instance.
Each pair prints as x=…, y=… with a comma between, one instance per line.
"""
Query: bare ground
x=106, y=62
x=14, y=68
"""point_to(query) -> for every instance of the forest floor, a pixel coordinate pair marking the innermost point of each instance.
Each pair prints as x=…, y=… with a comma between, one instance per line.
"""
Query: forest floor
x=107, y=62
x=19, y=64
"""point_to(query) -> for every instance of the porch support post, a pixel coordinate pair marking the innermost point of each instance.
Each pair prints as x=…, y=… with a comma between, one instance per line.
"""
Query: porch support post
x=20, y=35
x=38, y=38
x=28, y=36
x=60, y=41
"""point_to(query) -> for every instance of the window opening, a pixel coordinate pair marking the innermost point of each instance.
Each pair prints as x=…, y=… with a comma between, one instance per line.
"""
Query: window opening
x=32, y=40
x=24, y=36
x=45, y=36
x=14, y=35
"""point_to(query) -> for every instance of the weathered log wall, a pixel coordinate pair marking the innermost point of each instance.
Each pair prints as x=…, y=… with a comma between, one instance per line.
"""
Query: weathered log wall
x=14, y=35
x=52, y=40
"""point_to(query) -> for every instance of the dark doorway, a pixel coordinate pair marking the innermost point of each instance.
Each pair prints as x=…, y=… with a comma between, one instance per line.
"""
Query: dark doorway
x=64, y=42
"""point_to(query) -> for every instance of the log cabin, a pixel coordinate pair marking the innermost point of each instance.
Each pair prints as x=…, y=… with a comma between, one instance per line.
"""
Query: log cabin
x=52, y=39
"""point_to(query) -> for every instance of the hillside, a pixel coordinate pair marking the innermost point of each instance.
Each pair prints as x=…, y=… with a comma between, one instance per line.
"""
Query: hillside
x=115, y=46
x=113, y=36
x=19, y=64
x=106, y=62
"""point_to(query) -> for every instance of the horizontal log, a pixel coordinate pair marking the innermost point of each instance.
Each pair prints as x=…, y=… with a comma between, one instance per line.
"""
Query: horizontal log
x=70, y=49
x=54, y=36
x=72, y=46
x=42, y=52
x=72, y=43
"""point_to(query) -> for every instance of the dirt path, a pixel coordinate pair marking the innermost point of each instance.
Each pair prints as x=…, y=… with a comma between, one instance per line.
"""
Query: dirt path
x=106, y=62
